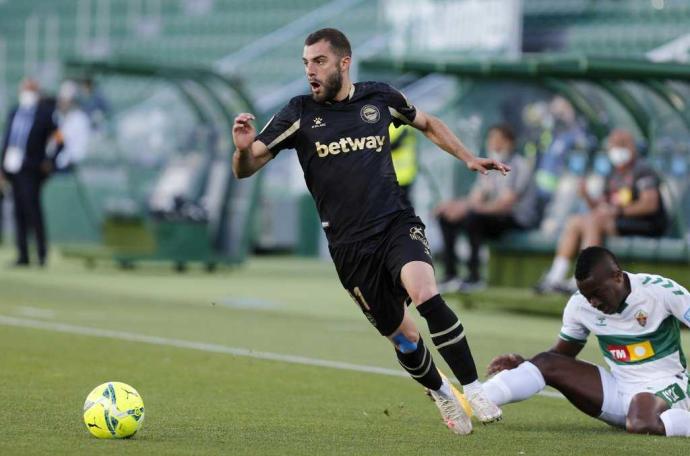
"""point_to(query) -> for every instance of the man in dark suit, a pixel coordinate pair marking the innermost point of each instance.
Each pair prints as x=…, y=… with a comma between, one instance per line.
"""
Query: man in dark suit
x=25, y=164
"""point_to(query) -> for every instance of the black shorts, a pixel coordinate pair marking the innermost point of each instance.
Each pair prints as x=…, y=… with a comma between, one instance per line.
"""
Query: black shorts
x=640, y=226
x=370, y=269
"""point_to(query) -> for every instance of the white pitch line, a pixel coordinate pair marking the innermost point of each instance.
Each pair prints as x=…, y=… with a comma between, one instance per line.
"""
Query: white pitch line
x=203, y=346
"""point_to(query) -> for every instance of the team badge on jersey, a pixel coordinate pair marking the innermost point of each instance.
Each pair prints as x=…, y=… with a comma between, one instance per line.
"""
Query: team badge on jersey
x=370, y=114
x=641, y=317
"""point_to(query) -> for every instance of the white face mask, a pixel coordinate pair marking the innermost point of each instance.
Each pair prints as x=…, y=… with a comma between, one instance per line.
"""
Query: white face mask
x=28, y=98
x=619, y=156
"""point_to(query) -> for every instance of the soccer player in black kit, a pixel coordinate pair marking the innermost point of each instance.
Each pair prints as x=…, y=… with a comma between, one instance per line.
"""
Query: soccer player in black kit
x=376, y=241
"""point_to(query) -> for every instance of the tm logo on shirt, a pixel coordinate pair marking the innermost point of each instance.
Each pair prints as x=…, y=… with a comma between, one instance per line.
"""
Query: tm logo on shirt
x=632, y=352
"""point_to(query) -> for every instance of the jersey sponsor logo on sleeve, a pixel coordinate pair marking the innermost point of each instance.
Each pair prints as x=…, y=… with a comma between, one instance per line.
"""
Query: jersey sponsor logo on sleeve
x=687, y=316
x=370, y=113
x=632, y=352
x=348, y=144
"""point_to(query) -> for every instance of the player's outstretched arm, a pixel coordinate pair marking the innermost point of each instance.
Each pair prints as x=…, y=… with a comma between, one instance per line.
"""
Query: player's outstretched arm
x=250, y=155
x=566, y=348
x=513, y=360
x=439, y=133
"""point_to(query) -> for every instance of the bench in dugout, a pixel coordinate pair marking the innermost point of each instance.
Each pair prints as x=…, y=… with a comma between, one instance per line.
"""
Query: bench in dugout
x=520, y=258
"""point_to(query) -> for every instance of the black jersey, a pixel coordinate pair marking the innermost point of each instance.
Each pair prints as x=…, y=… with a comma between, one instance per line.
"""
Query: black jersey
x=344, y=150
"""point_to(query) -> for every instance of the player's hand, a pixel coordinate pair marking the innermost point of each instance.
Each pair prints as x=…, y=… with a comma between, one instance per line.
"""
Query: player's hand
x=484, y=165
x=503, y=362
x=243, y=131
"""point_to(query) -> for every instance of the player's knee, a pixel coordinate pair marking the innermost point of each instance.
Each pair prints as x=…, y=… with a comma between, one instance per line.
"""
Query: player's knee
x=636, y=424
x=422, y=293
x=405, y=343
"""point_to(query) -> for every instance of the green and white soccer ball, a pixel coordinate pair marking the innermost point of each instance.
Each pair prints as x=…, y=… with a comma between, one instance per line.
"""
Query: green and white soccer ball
x=113, y=410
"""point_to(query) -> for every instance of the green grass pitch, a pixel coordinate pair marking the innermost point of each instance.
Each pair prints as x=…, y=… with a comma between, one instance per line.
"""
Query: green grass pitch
x=66, y=329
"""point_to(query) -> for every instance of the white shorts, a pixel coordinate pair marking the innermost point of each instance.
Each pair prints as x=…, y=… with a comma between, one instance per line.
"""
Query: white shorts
x=617, y=395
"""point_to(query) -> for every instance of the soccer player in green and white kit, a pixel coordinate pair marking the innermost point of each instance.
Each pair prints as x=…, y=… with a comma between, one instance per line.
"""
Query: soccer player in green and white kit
x=340, y=133
x=635, y=318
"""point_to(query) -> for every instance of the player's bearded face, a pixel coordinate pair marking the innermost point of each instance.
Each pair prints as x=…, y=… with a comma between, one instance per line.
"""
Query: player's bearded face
x=329, y=86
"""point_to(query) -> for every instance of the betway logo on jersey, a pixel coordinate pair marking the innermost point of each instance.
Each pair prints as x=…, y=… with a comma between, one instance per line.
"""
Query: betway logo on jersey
x=348, y=144
x=632, y=352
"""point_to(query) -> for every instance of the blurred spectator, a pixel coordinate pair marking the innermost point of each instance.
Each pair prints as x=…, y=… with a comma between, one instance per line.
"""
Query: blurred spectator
x=495, y=204
x=94, y=103
x=74, y=127
x=30, y=126
x=630, y=205
x=537, y=130
x=566, y=135
x=404, y=154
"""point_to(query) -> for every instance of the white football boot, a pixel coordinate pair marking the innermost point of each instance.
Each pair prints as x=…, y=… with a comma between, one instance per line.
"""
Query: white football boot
x=482, y=407
x=451, y=409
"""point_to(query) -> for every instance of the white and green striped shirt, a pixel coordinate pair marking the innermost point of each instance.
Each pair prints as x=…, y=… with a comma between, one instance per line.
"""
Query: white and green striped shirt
x=642, y=341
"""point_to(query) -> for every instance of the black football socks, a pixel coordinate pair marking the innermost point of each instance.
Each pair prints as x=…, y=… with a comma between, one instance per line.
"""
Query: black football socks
x=448, y=335
x=420, y=366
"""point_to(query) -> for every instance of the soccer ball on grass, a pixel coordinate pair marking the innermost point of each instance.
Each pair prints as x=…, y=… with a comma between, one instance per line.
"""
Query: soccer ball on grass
x=113, y=410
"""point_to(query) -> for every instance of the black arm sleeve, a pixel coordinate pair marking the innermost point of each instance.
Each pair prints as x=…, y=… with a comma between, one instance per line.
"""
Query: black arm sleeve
x=401, y=110
x=281, y=131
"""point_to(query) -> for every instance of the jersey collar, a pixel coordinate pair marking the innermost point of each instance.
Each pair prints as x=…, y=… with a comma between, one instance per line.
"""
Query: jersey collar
x=350, y=94
x=633, y=288
x=622, y=307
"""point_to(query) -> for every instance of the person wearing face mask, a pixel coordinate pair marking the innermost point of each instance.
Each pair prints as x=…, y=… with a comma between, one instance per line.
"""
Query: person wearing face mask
x=75, y=128
x=631, y=205
x=25, y=165
x=493, y=206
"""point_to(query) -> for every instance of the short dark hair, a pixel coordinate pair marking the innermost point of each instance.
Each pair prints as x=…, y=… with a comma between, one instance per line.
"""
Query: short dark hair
x=337, y=39
x=505, y=130
x=589, y=258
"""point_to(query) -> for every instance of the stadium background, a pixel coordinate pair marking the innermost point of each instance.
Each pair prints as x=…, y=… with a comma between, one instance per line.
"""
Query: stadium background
x=156, y=185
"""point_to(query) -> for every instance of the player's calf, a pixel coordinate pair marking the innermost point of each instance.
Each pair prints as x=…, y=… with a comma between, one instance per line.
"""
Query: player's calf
x=448, y=335
x=514, y=385
x=416, y=359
